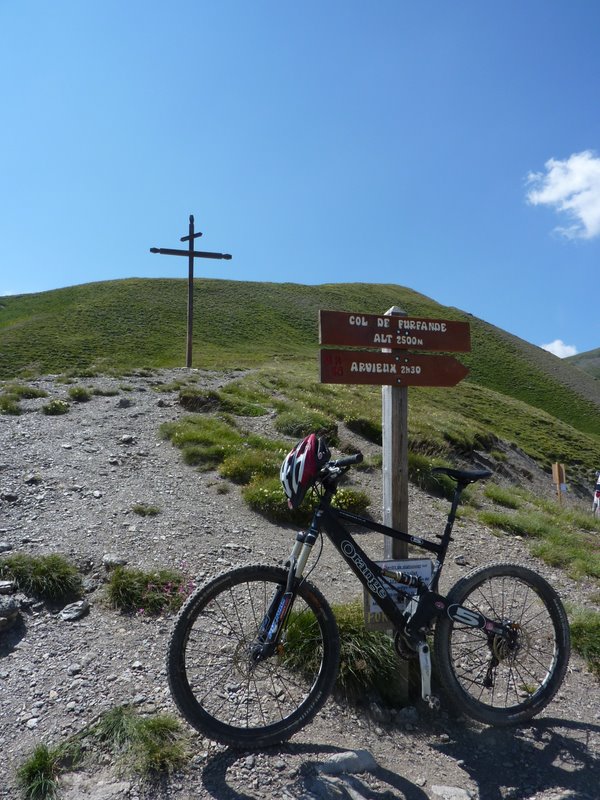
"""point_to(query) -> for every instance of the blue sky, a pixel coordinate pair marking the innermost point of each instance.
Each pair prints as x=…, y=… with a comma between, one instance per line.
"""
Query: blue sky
x=451, y=147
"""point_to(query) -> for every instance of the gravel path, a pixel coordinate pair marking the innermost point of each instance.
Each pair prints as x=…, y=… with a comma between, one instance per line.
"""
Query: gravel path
x=68, y=485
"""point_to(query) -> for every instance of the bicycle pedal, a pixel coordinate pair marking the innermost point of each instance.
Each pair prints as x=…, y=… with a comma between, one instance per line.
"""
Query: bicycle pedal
x=433, y=702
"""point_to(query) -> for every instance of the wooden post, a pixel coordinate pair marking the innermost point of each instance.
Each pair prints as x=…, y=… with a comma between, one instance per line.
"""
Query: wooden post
x=394, y=416
x=190, y=310
x=191, y=255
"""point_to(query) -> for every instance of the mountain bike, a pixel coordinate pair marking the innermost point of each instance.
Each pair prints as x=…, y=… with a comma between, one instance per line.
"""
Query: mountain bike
x=254, y=653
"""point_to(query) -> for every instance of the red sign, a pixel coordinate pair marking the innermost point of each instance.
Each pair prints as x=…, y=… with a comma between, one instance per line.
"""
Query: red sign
x=390, y=369
x=343, y=328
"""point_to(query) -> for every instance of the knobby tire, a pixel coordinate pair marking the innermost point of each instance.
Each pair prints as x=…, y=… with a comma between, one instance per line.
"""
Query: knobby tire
x=215, y=684
x=492, y=680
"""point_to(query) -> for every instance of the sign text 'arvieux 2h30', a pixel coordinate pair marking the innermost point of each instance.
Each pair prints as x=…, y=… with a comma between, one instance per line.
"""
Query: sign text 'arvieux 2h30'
x=389, y=334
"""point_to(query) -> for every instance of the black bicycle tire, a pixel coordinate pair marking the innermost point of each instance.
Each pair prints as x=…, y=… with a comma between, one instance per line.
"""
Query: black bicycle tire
x=257, y=736
x=454, y=690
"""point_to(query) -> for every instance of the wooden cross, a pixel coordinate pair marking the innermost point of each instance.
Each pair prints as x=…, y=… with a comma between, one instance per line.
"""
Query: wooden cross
x=191, y=254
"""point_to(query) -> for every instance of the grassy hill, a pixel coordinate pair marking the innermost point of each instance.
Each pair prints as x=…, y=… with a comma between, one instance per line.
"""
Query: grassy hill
x=515, y=390
x=589, y=362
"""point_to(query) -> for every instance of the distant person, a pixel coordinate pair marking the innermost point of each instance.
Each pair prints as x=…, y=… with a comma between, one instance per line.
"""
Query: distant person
x=596, y=501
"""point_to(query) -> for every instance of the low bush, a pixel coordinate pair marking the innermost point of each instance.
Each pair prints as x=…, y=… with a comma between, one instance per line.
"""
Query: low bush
x=266, y=496
x=242, y=467
x=369, y=430
x=420, y=473
x=153, y=593
x=585, y=637
x=55, y=408
x=148, y=744
x=145, y=510
x=205, y=401
x=300, y=422
x=80, y=394
x=368, y=659
x=52, y=577
x=9, y=404
x=38, y=775
x=501, y=496
x=24, y=392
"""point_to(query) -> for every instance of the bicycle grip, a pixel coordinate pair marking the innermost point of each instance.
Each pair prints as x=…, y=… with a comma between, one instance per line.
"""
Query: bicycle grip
x=348, y=460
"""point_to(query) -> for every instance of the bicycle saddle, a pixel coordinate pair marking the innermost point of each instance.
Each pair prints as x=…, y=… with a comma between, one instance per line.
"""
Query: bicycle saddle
x=463, y=475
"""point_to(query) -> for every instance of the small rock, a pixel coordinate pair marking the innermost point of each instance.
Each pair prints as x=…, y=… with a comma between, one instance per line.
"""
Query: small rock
x=127, y=438
x=32, y=723
x=10, y=497
x=124, y=402
x=75, y=610
x=5, y=547
x=461, y=561
x=452, y=793
x=73, y=669
x=111, y=560
x=350, y=761
x=9, y=612
x=7, y=587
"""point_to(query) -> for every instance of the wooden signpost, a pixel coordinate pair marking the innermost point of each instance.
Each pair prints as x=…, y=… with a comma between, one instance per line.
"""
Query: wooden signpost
x=388, y=364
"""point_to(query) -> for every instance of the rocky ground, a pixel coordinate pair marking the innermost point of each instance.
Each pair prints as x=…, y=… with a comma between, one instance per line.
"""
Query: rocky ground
x=68, y=485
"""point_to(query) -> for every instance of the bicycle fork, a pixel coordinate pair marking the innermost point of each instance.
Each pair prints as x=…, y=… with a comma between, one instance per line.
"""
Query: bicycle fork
x=281, y=604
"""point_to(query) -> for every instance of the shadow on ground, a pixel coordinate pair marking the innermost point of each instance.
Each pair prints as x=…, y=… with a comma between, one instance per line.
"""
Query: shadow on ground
x=550, y=758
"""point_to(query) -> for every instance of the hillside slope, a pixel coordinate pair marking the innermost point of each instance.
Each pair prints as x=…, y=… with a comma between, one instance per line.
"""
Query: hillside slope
x=588, y=362
x=139, y=322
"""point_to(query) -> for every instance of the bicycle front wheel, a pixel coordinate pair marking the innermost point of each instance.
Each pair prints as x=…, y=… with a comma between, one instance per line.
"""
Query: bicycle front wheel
x=504, y=680
x=221, y=689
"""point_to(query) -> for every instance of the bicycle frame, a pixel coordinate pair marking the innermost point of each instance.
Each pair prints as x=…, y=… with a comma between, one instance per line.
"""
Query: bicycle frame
x=427, y=603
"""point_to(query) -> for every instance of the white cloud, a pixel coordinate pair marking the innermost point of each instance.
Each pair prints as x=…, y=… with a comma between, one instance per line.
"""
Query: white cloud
x=573, y=188
x=560, y=349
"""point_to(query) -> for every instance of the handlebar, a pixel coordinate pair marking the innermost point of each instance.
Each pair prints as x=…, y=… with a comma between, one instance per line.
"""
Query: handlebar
x=347, y=461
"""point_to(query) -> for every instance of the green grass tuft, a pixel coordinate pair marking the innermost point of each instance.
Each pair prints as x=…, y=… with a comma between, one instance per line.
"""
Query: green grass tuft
x=50, y=577
x=155, y=592
x=55, y=408
x=145, y=510
x=585, y=637
x=501, y=496
x=80, y=394
x=368, y=659
x=38, y=775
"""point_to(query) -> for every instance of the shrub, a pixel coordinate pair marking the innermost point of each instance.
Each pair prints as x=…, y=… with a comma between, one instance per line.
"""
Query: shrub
x=24, y=392
x=301, y=422
x=145, y=510
x=243, y=467
x=49, y=577
x=501, y=496
x=55, y=407
x=366, y=428
x=133, y=590
x=266, y=496
x=420, y=473
x=368, y=659
x=80, y=394
x=201, y=400
x=585, y=636
x=148, y=744
x=9, y=404
x=38, y=775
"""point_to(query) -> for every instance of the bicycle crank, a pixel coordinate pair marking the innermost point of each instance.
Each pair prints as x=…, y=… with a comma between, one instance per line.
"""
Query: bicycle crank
x=425, y=663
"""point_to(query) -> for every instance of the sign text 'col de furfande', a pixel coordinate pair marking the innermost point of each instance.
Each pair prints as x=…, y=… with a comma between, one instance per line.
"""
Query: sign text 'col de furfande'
x=403, y=333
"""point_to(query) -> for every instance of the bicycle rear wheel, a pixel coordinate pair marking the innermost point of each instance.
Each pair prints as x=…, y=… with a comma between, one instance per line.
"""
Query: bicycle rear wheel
x=226, y=694
x=504, y=680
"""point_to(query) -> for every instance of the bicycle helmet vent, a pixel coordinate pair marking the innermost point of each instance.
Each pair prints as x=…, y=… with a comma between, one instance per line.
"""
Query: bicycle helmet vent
x=301, y=466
